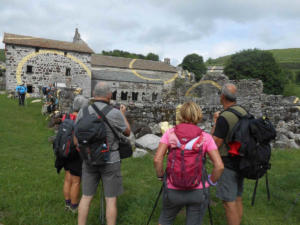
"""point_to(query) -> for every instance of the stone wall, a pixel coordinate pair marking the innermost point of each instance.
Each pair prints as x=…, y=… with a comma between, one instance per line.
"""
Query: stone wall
x=46, y=68
x=143, y=92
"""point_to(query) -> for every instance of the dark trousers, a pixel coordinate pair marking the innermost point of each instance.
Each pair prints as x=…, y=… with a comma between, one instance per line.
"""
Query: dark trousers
x=21, y=99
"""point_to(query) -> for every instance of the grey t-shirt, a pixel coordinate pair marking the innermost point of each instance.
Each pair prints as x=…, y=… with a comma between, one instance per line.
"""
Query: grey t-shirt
x=117, y=121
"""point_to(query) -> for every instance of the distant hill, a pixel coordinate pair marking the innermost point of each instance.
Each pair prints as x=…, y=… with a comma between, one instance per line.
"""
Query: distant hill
x=2, y=55
x=288, y=58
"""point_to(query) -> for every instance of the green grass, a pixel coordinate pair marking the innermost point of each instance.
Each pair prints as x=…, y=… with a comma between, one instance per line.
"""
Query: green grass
x=2, y=55
x=31, y=190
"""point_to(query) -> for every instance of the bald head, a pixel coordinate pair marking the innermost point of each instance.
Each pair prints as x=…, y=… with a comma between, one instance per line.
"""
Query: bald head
x=229, y=92
x=102, y=90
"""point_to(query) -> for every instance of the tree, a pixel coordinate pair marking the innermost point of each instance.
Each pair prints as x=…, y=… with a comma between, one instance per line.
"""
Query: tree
x=298, y=77
x=194, y=63
x=257, y=64
x=120, y=53
x=152, y=56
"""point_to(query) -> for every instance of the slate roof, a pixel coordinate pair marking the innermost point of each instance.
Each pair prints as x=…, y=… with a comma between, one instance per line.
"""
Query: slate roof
x=45, y=43
x=124, y=76
x=121, y=62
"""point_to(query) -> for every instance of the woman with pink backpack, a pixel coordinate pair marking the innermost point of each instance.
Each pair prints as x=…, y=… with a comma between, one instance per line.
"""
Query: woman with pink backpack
x=185, y=181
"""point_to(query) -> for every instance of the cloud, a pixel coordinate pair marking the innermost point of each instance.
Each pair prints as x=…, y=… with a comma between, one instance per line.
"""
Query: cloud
x=170, y=28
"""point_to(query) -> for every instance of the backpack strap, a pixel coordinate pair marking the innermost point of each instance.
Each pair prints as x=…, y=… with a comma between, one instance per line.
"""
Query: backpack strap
x=235, y=112
x=67, y=116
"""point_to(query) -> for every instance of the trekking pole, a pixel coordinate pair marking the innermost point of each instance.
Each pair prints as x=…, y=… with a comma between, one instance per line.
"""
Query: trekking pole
x=155, y=204
x=254, y=193
x=101, y=218
x=267, y=186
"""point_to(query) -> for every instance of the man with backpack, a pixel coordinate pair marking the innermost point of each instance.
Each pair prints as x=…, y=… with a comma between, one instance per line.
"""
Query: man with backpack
x=96, y=166
x=230, y=186
x=21, y=90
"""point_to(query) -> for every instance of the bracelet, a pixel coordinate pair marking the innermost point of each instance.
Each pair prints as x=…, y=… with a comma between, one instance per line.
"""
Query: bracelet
x=210, y=181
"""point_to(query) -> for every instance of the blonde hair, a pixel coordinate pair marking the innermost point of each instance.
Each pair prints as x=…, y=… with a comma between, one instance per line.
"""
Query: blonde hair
x=190, y=112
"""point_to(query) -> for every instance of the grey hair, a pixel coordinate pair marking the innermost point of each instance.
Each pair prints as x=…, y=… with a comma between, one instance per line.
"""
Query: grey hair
x=102, y=89
x=80, y=102
x=227, y=93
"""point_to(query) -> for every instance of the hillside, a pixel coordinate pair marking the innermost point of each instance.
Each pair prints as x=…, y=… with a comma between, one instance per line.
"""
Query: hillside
x=2, y=55
x=288, y=58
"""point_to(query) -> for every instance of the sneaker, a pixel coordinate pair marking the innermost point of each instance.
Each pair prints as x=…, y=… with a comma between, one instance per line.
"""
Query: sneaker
x=67, y=207
x=73, y=211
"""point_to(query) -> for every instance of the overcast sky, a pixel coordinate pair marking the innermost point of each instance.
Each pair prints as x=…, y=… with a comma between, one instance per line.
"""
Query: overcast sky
x=169, y=28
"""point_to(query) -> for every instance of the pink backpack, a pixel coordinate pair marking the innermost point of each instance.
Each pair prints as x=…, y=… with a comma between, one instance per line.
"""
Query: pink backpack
x=184, y=166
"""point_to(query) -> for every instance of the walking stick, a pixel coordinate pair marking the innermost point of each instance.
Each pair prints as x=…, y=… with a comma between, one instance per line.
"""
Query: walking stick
x=102, y=217
x=155, y=204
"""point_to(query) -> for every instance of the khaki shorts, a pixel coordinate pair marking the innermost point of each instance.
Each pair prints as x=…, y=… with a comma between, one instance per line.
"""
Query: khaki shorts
x=230, y=186
x=111, y=177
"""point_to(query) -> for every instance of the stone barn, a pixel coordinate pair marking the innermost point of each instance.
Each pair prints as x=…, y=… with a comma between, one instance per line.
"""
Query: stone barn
x=37, y=62
x=133, y=80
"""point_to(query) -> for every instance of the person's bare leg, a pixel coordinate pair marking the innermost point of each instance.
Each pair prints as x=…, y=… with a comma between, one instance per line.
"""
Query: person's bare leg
x=232, y=213
x=83, y=209
x=75, y=189
x=67, y=185
x=111, y=210
x=239, y=204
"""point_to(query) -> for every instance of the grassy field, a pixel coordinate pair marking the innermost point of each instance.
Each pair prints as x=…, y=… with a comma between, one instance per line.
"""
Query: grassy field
x=31, y=190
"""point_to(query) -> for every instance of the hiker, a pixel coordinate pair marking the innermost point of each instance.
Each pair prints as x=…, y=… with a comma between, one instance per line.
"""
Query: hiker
x=230, y=186
x=110, y=172
x=180, y=191
x=21, y=90
x=73, y=164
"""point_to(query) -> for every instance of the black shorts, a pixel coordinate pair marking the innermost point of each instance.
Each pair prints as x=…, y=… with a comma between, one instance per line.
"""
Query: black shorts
x=74, y=165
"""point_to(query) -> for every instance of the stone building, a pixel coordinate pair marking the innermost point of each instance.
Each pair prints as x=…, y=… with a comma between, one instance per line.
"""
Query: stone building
x=37, y=62
x=133, y=80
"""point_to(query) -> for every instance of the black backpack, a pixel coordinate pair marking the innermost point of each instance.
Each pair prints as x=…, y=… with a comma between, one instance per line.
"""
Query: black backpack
x=255, y=136
x=63, y=144
x=90, y=132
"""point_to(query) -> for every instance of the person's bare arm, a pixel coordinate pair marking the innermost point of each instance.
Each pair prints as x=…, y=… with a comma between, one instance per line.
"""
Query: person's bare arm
x=219, y=141
x=123, y=111
x=159, y=159
x=218, y=165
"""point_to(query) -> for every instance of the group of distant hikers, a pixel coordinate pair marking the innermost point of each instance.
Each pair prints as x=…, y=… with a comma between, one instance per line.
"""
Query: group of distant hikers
x=91, y=143
x=49, y=93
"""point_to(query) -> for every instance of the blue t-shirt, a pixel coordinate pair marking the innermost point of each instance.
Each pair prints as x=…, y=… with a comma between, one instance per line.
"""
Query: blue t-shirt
x=21, y=89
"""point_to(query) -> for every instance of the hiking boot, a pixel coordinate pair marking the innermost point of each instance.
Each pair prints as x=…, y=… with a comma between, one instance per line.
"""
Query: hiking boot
x=73, y=210
x=67, y=207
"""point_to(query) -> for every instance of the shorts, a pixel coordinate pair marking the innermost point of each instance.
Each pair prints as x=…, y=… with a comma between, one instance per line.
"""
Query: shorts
x=174, y=200
x=111, y=177
x=74, y=166
x=230, y=186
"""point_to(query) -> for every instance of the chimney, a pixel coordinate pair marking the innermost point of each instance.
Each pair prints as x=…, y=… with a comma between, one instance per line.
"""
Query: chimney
x=167, y=61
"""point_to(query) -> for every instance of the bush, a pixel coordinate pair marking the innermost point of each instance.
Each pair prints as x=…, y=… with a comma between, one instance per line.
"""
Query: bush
x=257, y=64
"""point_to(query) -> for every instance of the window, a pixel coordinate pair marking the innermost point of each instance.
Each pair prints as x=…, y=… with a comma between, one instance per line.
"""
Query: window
x=124, y=95
x=114, y=95
x=29, y=88
x=29, y=69
x=135, y=96
x=154, y=96
x=37, y=49
x=68, y=71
